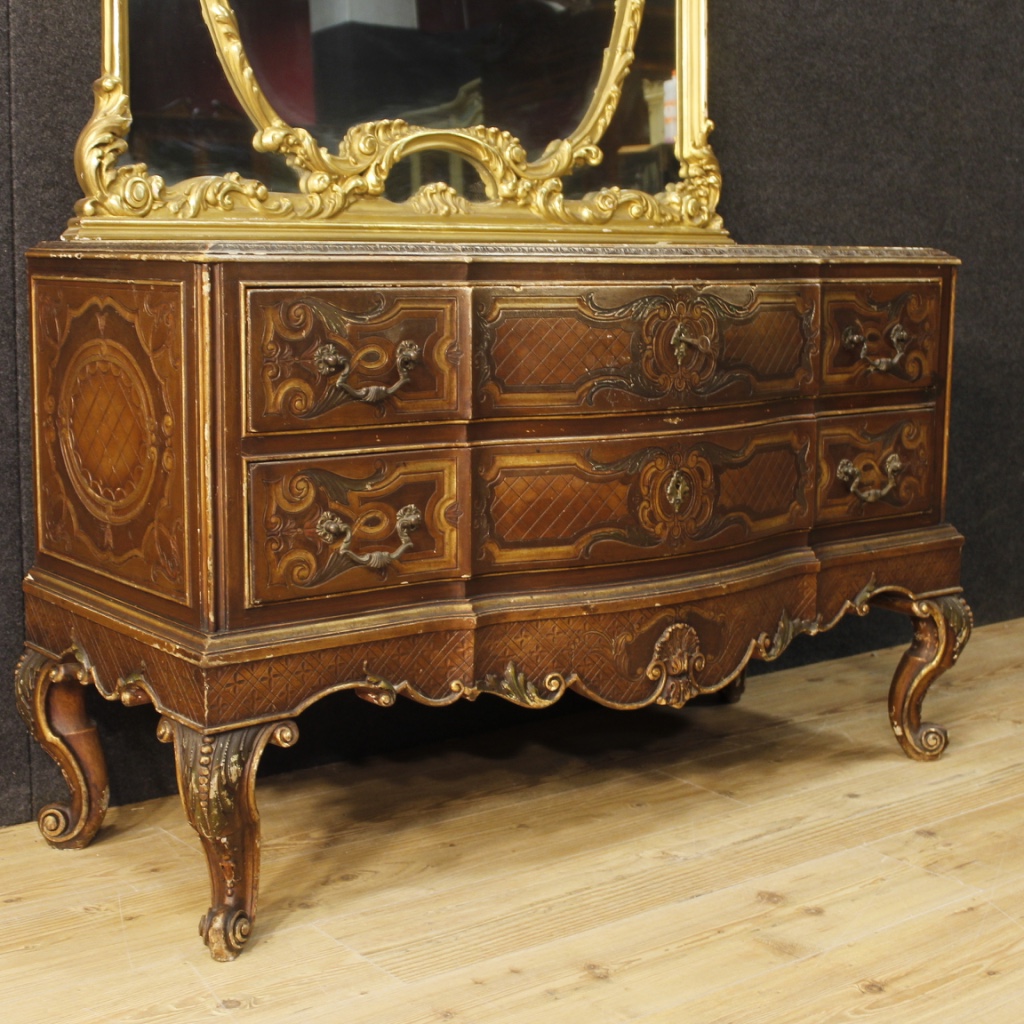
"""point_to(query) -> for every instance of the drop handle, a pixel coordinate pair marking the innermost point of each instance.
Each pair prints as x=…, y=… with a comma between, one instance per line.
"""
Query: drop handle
x=333, y=530
x=899, y=338
x=330, y=361
x=851, y=476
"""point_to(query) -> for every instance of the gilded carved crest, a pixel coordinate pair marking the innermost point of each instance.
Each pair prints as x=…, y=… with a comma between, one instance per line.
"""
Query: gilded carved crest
x=340, y=192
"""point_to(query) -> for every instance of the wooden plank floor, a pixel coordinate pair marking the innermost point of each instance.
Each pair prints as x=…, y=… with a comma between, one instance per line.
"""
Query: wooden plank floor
x=774, y=861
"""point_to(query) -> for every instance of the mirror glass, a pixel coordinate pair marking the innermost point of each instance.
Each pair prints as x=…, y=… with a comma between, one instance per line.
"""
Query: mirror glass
x=526, y=66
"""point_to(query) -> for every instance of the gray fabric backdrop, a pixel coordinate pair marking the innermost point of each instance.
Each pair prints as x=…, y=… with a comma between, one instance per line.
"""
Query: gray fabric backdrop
x=876, y=122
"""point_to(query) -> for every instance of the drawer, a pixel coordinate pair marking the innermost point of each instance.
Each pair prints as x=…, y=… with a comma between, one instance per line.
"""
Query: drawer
x=640, y=497
x=625, y=348
x=881, y=335
x=332, y=358
x=345, y=524
x=878, y=465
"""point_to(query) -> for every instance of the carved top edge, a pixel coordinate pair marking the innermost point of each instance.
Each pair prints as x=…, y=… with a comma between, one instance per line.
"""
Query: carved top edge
x=227, y=251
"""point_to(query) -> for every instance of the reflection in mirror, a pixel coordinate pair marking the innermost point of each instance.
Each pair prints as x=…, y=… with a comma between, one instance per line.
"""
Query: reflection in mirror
x=186, y=120
x=527, y=66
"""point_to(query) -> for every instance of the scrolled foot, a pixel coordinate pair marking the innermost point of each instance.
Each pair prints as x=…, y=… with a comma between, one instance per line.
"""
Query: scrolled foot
x=51, y=699
x=225, y=932
x=217, y=782
x=942, y=627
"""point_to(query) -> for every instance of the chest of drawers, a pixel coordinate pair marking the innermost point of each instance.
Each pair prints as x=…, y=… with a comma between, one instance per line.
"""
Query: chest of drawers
x=268, y=473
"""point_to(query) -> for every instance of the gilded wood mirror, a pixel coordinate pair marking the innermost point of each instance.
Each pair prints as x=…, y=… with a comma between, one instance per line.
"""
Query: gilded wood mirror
x=412, y=119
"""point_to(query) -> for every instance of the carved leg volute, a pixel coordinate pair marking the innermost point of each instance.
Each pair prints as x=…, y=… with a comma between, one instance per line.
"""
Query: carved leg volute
x=50, y=695
x=217, y=781
x=942, y=627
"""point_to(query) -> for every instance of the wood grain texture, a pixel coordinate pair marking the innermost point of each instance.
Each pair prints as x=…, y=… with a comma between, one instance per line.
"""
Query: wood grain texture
x=770, y=862
x=311, y=461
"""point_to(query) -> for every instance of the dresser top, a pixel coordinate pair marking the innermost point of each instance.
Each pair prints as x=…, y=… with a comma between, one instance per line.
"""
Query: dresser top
x=226, y=252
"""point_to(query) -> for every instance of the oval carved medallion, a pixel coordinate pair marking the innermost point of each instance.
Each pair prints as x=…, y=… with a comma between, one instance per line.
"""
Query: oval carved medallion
x=108, y=432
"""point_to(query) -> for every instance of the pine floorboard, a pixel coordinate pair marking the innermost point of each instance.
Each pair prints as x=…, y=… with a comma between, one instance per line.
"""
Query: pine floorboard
x=774, y=861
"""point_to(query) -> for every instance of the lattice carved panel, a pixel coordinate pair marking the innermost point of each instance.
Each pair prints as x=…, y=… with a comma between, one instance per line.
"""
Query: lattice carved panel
x=640, y=497
x=176, y=686
x=637, y=348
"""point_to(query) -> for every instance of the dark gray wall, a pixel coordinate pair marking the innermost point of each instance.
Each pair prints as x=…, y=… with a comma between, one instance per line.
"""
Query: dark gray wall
x=900, y=122
x=876, y=122
x=44, y=90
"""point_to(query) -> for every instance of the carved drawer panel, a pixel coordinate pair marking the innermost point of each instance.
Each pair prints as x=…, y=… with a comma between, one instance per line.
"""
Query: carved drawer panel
x=339, y=525
x=642, y=348
x=881, y=335
x=641, y=497
x=345, y=358
x=877, y=465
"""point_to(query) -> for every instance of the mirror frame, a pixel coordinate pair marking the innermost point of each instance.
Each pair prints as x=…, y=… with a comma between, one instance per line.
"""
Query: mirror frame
x=340, y=195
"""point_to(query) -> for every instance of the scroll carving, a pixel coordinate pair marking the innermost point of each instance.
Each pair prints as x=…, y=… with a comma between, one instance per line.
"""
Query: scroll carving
x=344, y=192
x=50, y=697
x=677, y=344
x=391, y=356
x=676, y=663
x=515, y=687
x=657, y=349
x=660, y=500
x=391, y=519
x=884, y=333
x=871, y=470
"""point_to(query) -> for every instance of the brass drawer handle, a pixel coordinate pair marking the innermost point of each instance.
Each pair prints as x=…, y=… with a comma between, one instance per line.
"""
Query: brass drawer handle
x=899, y=339
x=851, y=476
x=332, y=529
x=332, y=362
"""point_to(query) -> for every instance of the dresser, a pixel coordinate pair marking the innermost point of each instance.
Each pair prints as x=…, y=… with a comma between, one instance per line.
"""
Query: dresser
x=269, y=472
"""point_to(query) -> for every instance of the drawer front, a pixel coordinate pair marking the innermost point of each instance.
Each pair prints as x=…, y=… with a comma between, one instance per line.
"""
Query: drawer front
x=329, y=359
x=642, y=497
x=345, y=524
x=878, y=465
x=881, y=335
x=630, y=348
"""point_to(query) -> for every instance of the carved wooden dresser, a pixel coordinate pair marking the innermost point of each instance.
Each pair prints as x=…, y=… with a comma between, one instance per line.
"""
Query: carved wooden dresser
x=269, y=472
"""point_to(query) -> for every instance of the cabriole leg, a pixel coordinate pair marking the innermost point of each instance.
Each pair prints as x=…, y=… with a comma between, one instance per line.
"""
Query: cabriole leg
x=50, y=695
x=942, y=627
x=217, y=782
x=733, y=692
